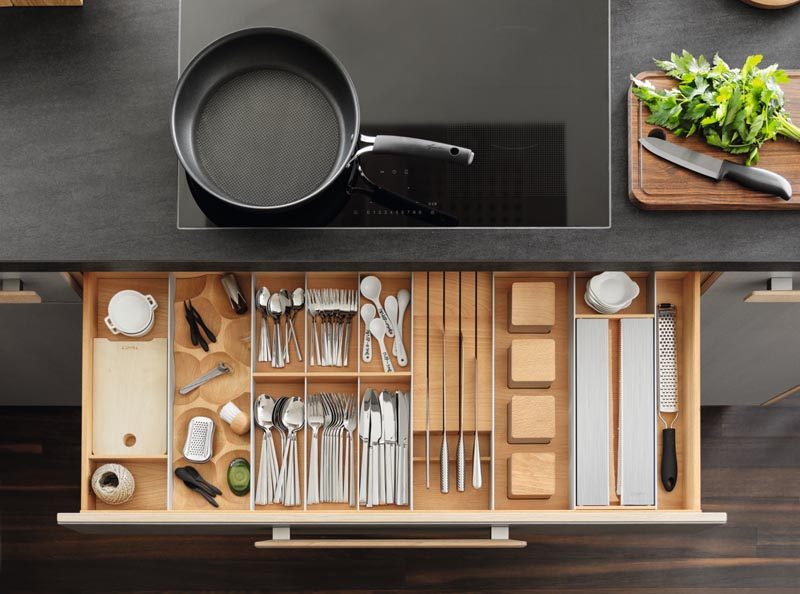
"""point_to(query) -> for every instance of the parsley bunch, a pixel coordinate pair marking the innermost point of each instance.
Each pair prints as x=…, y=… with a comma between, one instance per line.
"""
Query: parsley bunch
x=735, y=109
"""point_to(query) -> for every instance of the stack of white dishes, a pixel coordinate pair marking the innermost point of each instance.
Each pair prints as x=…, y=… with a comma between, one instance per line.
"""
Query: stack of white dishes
x=610, y=292
x=130, y=313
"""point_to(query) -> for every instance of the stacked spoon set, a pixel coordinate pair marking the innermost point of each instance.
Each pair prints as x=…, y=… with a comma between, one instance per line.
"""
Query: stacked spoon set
x=278, y=483
x=382, y=321
x=278, y=306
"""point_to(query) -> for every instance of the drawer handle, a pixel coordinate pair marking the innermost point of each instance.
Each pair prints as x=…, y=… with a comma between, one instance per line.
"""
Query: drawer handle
x=393, y=543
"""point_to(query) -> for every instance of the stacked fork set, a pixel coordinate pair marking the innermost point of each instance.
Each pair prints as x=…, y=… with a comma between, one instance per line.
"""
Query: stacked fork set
x=278, y=306
x=332, y=419
x=383, y=429
x=274, y=483
x=335, y=309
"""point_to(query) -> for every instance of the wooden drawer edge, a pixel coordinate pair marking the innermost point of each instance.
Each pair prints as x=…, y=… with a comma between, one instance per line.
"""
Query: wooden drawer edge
x=565, y=517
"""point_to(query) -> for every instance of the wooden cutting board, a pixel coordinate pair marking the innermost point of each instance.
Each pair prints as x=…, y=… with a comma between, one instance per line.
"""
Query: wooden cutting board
x=130, y=397
x=656, y=184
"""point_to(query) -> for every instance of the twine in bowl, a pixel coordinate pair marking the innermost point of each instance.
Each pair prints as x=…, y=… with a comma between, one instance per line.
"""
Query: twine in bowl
x=113, y=484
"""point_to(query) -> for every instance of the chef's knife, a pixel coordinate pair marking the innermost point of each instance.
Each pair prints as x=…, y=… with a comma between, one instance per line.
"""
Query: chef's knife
x=749, y=177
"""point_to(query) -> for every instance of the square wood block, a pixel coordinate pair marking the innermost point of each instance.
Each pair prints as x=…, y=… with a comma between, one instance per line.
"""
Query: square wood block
x=531, y=475
x=531, y=363
x=531, y=307
x=531, y=419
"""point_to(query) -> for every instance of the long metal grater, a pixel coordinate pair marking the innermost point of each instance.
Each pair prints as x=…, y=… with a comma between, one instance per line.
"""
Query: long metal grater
x=667, y=393
x=667, y=359
x=199, y=438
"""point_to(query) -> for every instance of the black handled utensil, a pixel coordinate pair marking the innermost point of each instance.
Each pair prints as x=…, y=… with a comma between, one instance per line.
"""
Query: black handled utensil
x=754, y=178
x=197, y=318
x=190, y=473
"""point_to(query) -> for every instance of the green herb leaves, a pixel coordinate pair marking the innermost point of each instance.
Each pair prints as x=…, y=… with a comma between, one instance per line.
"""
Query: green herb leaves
x=735, y=109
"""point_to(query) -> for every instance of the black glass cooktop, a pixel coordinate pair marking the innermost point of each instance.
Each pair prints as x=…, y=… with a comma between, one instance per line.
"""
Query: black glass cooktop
x=523, y=83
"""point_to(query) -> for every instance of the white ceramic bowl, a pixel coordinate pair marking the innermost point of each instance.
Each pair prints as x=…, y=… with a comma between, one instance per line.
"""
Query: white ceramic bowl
x=613, y=289
x=130, y=313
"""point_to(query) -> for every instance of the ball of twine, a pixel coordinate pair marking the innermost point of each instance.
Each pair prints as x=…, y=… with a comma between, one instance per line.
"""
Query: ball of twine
x=113, y=484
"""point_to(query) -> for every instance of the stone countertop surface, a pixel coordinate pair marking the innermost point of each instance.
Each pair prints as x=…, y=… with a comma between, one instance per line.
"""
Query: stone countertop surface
x=88, y=175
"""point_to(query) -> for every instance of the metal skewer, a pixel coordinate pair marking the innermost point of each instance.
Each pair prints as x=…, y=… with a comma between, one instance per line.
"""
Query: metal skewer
x=477, y=479
x=444, y=453
x=428, y=381
x=460, y=461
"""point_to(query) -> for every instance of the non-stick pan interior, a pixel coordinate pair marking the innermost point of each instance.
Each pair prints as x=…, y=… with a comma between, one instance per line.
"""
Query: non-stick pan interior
x=267, y=119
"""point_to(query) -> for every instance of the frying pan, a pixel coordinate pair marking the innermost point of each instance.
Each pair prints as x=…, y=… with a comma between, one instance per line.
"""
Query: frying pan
x=265, y=120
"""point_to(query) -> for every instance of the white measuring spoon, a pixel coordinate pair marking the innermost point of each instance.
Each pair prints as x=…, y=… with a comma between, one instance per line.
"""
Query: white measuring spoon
x=367, y=315
x=371, y=289
x=378, y=329
x=398, y=350
x=403, y=299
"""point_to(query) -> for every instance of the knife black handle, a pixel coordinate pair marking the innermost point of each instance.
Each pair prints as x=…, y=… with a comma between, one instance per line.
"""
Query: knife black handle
x=756, y=179
x=669, y=460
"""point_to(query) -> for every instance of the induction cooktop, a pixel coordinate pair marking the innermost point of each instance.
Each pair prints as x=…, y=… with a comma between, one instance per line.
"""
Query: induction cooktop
x=523, y=83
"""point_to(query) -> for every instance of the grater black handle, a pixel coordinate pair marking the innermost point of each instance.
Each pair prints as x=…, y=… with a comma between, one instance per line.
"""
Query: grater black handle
x=669, y=460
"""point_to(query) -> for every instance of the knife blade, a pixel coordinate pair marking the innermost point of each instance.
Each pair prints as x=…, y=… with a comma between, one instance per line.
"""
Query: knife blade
x=753, y=178
x=375, y=439
x=402, y=447
x=389, y=439
x=364, y=434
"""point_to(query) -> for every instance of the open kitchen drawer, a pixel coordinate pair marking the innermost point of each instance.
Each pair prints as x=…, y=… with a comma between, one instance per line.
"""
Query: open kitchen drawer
x=162, y=502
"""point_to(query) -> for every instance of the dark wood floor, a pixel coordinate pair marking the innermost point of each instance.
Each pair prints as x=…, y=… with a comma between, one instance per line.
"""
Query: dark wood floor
x=751, y=469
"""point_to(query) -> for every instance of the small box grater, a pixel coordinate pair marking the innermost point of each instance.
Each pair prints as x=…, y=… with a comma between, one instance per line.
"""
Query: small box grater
x=199, y=437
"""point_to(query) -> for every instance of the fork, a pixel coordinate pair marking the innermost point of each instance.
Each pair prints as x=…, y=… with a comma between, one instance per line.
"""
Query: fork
x=350, y=423
x=316, y=418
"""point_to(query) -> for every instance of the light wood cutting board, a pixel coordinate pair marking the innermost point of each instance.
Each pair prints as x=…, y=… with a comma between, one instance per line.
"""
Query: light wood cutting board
x=130, y=398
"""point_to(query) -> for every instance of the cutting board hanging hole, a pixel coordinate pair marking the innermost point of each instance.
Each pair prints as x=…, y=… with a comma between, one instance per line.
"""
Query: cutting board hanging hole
x=129, y=439
x=657, y=133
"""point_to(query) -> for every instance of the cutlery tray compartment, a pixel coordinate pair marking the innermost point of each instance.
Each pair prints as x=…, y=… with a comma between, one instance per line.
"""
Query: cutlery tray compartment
x=237, y=344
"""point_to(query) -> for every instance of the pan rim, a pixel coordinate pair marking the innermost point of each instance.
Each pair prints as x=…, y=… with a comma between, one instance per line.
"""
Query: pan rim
x=252, y=31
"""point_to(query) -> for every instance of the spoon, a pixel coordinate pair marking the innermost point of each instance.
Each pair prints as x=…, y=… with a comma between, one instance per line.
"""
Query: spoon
x=403, y=299
x=286, y=299
x=377, y=328
x=276, y=308
x=311, y=308
x=367, y=315
x=268, y=464
x=262, y=303
x=297, y=302
x=398, y=350
x=371, y=289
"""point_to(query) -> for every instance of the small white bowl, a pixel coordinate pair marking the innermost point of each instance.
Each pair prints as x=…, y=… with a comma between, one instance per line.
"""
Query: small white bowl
x=130, y=313
x=613, y=289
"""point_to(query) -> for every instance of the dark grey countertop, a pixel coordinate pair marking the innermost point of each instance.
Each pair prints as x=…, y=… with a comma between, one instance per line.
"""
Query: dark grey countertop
x=88, y=175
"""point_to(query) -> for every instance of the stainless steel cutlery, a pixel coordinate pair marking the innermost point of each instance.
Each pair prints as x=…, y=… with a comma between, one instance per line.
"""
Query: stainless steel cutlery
x=331, y=475
x=278, y=306
x=384, y=431
x=335, y=309
x=274, y=483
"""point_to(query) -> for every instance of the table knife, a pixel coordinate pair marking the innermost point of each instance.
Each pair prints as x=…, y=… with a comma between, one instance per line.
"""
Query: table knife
x=364, y=434
x=374, y=479
x=389, y=439
x=753, y=178
x=403, y=412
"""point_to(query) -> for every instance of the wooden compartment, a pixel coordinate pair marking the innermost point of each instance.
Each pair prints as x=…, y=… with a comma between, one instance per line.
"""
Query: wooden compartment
x=275, y=281
x=429, y=314
x=559, y=390
x=391, y=284
x=683, y=291
x=232, y=347
x=276, y=388
x=332, y=280
x=150, y=471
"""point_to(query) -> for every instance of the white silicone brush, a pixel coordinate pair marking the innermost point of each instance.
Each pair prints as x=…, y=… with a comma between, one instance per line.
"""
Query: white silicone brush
x=234, y=416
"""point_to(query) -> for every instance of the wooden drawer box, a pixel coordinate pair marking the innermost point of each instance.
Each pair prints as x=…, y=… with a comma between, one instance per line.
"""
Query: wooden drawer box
x=163, y=501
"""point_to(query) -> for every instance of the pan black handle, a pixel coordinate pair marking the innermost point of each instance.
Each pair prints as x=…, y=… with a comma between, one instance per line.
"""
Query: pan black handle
x=427, y=149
